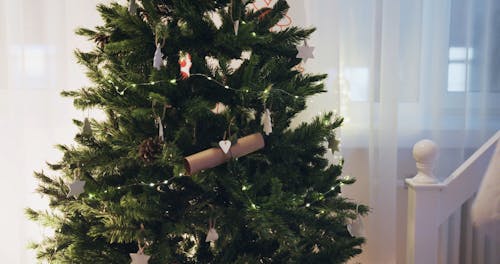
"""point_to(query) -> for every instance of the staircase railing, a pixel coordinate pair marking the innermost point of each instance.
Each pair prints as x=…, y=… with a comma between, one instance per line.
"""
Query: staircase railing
x=439, y=229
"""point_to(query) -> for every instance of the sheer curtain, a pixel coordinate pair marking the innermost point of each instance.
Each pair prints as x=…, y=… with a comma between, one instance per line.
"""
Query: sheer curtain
x=400, y=71
x=36, y=62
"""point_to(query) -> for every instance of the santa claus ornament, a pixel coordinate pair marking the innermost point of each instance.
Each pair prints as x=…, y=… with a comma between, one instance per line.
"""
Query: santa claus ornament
x=185, y=64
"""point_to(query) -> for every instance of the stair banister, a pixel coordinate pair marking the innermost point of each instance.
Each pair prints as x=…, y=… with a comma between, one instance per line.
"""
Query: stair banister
x=423, y=206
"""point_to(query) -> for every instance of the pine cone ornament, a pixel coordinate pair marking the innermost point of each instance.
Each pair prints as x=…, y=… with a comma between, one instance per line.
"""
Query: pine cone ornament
x=150, y=149
x=101, y=40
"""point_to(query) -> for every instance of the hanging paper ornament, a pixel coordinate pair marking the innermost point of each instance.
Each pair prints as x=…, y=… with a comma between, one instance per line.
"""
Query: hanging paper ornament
x=225, y=145
x=185, y=64
x=132, y=7
x=86, y=130
x=213, y=65
x=139, y=258
x=76, y=188
x=266, y=122
x=160, y=129
x=158, y=57
x=245, y=55
x=356, y=227
x=236, y=26
x=315, y=249
x=219, y=108
x=305, y=52
x=212, y=235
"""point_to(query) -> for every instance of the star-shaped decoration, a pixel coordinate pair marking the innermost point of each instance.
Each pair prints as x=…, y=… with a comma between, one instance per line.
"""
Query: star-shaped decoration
x=305, y=52
x=76, y=188
x=138, y=258
x=333, y=144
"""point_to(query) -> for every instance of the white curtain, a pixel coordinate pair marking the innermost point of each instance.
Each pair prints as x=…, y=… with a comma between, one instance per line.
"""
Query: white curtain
x=36, y=63
x=399, y=71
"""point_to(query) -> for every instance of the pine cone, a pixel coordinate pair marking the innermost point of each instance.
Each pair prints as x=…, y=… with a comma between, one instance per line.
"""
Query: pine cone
x=150, y=149
x=101, y=40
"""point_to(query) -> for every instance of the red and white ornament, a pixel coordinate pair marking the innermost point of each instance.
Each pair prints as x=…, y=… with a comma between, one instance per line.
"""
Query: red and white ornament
x=185, y=64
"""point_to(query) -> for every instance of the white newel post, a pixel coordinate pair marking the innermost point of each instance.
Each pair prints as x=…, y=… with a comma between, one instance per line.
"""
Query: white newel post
x=423, y=207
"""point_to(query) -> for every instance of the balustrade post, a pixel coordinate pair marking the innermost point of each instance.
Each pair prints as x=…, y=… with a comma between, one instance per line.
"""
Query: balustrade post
x=423, y=207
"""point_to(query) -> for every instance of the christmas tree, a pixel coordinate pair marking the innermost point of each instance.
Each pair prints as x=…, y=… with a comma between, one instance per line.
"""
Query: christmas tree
x=195, y=161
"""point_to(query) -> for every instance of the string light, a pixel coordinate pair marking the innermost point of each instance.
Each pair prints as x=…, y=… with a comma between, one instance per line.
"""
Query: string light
x=209, y=78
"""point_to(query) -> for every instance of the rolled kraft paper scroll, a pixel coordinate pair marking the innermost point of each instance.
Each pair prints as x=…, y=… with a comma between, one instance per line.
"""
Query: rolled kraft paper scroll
x=215, y=156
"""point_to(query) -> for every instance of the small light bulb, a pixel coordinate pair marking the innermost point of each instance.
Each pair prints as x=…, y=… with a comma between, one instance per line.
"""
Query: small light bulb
x=308, y=205
x=152, y=83
x=151, y=185
x=254, y=206
x=134, y=85
x=119, y=188
x=173, y=81
x=244, y=188
x=254, y=34
x=296, y=97
x=165, y=181
x=181, y=174
x=332, y=188
x=227, y=87
x=209, y=78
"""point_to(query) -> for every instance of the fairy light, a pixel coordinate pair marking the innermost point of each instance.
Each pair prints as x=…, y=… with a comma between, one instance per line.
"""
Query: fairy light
x=209, y=78
x=151, y=185
x=254, y=34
